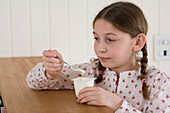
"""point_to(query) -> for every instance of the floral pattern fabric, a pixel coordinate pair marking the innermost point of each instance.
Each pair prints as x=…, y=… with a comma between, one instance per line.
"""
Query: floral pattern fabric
x=129, y=87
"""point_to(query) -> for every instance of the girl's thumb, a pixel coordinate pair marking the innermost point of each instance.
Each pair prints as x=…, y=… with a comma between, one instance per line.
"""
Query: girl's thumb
x=54, y=55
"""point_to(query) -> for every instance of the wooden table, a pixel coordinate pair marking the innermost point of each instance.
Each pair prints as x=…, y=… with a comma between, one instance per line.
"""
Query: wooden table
x=19, y=98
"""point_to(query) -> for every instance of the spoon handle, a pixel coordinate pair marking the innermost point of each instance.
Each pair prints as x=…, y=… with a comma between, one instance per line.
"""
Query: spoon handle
x=61, y=60
x=64, y=62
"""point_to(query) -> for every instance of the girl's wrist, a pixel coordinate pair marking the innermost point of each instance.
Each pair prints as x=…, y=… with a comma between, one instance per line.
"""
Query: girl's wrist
x=116, y=103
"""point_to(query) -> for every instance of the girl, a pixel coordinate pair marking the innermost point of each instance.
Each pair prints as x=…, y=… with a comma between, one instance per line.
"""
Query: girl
x=125, y=83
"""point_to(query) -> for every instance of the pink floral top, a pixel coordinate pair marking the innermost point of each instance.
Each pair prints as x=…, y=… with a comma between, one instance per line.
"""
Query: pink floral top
x=129, y=87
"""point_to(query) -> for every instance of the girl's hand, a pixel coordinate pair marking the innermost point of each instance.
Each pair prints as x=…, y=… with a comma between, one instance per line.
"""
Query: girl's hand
x=53, y=66
x=99, y=96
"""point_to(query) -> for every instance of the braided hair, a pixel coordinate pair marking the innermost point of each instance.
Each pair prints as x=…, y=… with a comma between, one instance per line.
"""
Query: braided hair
x=130, y=19
x=144, y=62
x=102, y=69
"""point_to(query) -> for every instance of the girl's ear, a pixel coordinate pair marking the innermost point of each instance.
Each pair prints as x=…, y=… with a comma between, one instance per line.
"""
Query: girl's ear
x=140, y=42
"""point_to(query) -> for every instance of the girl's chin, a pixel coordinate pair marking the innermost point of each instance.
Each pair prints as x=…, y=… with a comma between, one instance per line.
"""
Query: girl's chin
x=106, y=65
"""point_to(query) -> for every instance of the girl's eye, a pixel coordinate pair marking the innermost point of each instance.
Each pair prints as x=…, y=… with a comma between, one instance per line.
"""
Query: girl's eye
x=96, y=38
x=110, y=40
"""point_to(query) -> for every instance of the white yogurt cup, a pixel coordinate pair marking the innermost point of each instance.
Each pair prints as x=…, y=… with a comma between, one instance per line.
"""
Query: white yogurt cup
x=82, y=82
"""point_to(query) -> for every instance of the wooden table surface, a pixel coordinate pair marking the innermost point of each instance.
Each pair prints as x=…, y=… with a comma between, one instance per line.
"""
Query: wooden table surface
x=19, y=98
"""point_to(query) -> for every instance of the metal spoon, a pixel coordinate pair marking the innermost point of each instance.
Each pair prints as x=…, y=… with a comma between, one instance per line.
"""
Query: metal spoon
x=77, y=70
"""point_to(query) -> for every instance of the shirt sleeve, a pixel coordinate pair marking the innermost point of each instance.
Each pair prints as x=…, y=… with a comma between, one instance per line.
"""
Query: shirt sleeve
x=36, y=78
x=127, y=108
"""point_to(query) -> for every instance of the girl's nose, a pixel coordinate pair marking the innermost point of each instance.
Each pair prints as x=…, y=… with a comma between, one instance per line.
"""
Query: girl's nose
x=101, y=48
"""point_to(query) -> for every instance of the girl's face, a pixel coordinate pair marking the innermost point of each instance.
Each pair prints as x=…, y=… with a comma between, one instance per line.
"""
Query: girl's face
x=113, y=47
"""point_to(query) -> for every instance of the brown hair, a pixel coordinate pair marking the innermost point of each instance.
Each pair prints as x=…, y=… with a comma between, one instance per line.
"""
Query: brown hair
x=128, y=18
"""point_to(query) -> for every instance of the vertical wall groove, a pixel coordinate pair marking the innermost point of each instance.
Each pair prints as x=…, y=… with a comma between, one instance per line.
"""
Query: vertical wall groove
x=158, y=17
x=30, y=27
x=10, y=24
x=87, y=30
x=158, y=24
x=29, y=24
x=68, y=30
x=49, y=23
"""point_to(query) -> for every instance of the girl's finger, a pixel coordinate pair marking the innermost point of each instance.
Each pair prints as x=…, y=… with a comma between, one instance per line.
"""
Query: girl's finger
x=58, y=55
x=88, y=98
x=87, y=89
x=92, y=102
x=51, y=60
x=48, y=54
x=53, y=74
x=48, y=69
x=53, y=65
x=85, y=94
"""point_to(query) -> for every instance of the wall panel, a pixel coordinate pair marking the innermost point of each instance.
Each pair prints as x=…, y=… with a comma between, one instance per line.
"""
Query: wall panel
x=77, y=31
x=19, y=28
x=164, y=24
x=107, y=2
x=27, y=27
x=137, y=2
x=152, y=18
x=5, y=35
x=39, y=26
x=58, y=16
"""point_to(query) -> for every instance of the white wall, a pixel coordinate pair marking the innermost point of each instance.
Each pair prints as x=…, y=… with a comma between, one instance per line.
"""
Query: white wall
x=27, y=27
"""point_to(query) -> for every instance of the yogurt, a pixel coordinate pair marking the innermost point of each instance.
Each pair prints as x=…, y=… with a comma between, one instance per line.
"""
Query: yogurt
x=82, y=72
x=82, y=82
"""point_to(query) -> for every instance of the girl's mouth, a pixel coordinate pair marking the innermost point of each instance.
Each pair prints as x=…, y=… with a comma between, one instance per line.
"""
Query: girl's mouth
x=104, y=58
